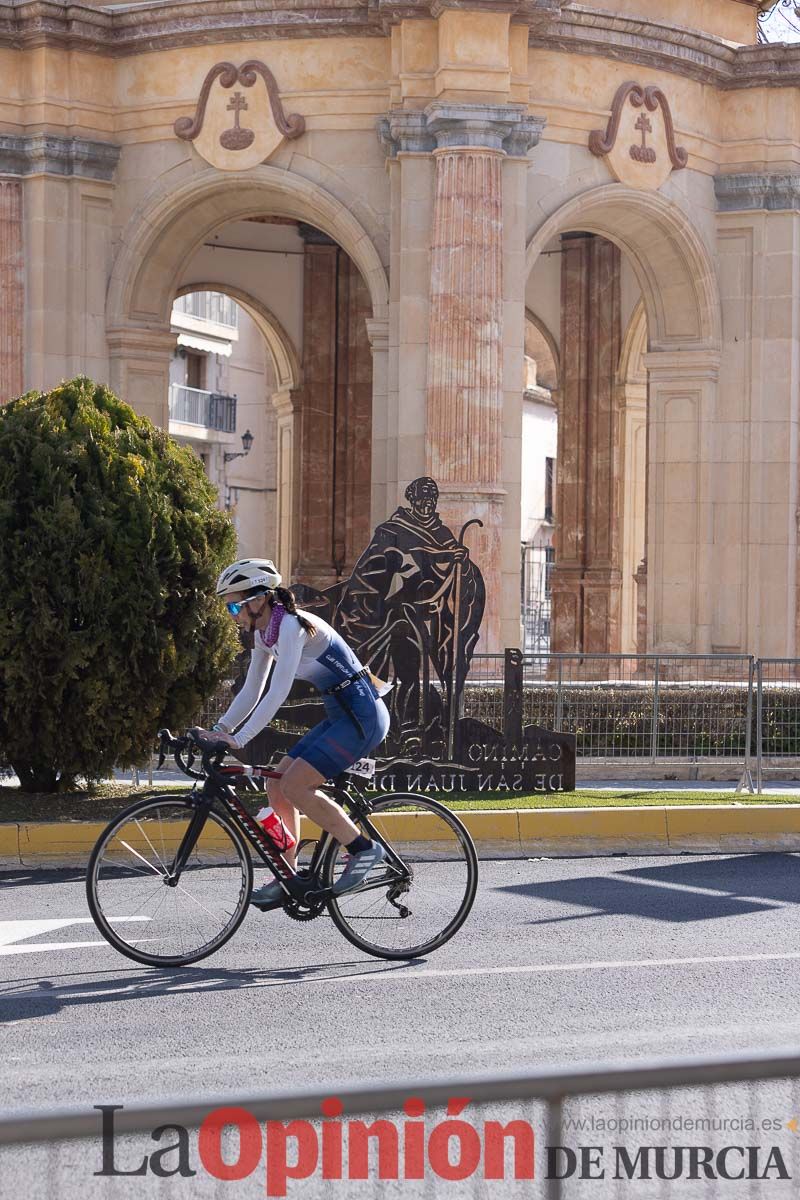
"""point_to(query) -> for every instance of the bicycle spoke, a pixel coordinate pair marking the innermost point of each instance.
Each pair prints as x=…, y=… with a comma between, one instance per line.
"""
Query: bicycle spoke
x=207, y=903
x=438, y=878
x=144, y=860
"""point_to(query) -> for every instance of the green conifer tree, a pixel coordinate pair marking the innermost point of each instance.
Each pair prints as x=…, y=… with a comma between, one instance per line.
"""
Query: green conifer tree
x=110, y=543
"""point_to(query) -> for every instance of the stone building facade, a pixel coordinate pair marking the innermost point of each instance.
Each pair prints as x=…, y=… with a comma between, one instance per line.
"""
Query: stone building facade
x=396, y=191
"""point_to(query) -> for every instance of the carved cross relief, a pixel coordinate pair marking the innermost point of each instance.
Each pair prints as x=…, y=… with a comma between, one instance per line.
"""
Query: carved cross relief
x=239, y=146
x=640, y=151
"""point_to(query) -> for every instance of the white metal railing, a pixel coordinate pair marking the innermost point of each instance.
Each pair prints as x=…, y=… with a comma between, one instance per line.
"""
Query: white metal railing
x=192, y=406
x=553, y=1125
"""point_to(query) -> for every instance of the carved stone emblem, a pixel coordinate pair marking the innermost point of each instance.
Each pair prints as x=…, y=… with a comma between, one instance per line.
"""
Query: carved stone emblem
x=220, y=130
x=640, y=151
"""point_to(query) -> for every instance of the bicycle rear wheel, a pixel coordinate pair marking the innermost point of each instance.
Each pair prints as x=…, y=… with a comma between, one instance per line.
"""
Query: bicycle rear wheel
x=134, y=907
x=421, y=894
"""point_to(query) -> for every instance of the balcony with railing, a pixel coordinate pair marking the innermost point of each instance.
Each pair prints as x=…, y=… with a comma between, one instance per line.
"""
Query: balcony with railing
x=209, y=410
x=214, y=307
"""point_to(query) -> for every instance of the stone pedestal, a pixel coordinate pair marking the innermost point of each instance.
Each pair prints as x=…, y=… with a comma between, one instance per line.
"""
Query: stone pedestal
x=11, y=290
x=587, y=577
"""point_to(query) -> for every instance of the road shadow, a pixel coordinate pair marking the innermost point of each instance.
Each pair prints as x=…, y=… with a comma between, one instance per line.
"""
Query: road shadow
x=30, y=998
x=40, y=876
x=758, y=876
x=715, y=890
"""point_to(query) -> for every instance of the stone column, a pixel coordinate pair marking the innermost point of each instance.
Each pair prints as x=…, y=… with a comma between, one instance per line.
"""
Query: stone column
x=316, y=409
x=284, y=404
x=353, y=425
x=587, y=578
x=681, y=588
x=139, y=361
x=380, y=504
x=464, y=425
x=640, y=582
x=12, y=290
x=332, y=417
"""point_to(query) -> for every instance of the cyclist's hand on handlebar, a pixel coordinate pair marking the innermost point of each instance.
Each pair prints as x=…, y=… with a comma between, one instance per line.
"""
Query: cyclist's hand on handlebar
x=215, y=736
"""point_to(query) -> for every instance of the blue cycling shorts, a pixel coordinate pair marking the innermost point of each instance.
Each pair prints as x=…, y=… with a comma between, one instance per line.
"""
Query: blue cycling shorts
x=339, y=741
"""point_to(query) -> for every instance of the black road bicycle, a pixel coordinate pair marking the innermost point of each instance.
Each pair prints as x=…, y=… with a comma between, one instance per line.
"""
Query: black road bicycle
x=170, y=878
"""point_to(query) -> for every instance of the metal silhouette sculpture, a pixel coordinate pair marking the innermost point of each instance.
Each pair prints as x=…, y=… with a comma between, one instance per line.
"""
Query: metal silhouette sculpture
x=412, y=611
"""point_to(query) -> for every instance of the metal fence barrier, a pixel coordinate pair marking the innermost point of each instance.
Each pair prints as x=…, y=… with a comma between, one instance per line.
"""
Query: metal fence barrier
x=669, y=708
x=624, y=1115
x=777, y=736
x=730, y=711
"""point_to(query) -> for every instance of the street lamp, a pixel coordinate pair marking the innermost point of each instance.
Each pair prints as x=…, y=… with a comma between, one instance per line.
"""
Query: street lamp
x=247, y=442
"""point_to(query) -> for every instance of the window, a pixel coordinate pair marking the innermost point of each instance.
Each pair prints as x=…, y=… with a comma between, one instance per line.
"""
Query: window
x=549, y=563
x=549, y=488
x=195, y=370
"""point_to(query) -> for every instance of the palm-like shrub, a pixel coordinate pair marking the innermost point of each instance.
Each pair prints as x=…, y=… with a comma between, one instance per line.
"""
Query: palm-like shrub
x=110, y=543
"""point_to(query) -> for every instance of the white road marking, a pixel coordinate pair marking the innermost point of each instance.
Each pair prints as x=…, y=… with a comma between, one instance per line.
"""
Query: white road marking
x=17, y=931
x=398, y=975
x=598, y=965
x=39, y=946
x=14, y=932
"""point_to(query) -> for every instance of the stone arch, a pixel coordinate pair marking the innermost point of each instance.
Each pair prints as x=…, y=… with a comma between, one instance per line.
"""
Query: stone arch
x=672, y=264
x=631, y=368
x=167, y=227
x=283, y=353
x=546, y=337
x=156, y=249
x=681, y=302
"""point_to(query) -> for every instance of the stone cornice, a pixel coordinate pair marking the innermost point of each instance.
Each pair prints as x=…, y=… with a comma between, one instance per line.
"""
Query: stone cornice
x=553, y=24
x=139, y=28
x=48, y=154
x=749, y=192
x=686, y=52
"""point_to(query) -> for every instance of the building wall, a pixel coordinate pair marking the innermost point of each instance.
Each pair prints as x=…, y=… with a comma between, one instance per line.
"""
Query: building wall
x=402, y=113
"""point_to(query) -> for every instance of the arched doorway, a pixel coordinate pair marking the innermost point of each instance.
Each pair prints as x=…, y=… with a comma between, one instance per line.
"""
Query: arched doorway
x=310, y=276
x=677, y=284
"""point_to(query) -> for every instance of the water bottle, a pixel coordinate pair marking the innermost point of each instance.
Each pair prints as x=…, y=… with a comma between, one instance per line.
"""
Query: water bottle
x=274, y=828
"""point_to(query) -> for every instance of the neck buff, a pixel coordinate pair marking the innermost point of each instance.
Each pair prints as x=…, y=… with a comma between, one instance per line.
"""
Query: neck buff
x=269, y=636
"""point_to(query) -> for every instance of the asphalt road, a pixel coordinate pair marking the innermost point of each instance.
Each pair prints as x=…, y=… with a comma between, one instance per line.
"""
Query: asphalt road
x=562, y=961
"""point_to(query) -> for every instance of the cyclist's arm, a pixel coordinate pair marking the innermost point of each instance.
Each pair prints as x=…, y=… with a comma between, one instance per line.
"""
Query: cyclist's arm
x=245, y=701
x=290, y=646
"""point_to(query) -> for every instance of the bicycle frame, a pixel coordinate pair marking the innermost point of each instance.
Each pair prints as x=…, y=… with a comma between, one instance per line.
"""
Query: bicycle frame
x=219, y=786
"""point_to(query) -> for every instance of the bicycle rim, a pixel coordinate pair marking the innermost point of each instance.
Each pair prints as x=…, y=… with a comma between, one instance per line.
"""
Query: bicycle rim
x=140, y=915
x=393, y=917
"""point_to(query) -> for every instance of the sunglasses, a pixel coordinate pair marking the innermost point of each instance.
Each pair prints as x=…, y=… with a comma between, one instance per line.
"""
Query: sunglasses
x=234, y=607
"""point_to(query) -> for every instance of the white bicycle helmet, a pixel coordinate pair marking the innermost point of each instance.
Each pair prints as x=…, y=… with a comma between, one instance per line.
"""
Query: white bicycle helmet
x=249, y=575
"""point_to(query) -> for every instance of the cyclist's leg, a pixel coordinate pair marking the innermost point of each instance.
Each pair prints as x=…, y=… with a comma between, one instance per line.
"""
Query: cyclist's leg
x=299, y=785
x=284, y=808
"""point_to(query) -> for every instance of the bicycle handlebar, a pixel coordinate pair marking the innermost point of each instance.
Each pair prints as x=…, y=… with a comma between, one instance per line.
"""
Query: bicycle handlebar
x=211, y=752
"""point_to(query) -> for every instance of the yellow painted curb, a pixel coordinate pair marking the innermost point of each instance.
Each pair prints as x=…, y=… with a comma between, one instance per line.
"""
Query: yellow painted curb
x=42, y=843
x=500, y=832
x=9, y=845
x=593, y=822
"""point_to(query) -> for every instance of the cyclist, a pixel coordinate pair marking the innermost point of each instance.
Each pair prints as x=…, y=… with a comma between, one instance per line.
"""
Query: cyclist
x=293, y=644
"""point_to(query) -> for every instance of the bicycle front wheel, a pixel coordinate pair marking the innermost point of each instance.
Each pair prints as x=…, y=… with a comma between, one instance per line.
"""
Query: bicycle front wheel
x=421, y=894
x=147, y=916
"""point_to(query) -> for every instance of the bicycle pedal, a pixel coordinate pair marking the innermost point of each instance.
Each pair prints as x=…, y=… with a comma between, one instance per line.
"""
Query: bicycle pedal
x=269, y=906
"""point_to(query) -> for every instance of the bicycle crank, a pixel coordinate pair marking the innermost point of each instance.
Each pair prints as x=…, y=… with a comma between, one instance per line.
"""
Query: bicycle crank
x=303, y=912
